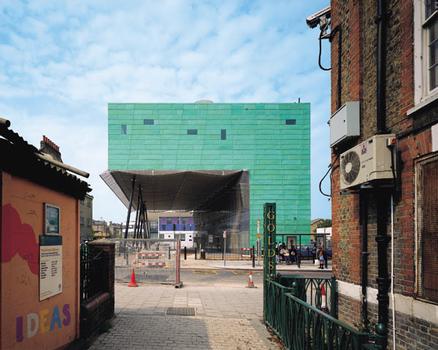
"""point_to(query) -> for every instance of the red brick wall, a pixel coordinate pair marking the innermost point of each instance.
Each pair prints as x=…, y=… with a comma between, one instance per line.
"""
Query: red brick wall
x=411, y=148
x=359, y=39
x=346, y=17
x=350, y=311
x=406, y=96
x=411, y=332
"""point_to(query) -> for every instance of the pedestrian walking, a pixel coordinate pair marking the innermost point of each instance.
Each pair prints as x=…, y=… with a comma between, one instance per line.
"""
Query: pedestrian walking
x=286, y=255
x=292, y=254
x=314, y=256
x=277, y=253
x=283, y=252
x=321, y=258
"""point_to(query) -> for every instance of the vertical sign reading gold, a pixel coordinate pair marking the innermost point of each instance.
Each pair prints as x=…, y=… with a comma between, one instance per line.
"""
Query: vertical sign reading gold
x=269, y=238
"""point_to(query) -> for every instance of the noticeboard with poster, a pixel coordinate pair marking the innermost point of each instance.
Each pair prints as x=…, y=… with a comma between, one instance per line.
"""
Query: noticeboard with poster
x=52, y=219
x=50, y=261
x=50, y=271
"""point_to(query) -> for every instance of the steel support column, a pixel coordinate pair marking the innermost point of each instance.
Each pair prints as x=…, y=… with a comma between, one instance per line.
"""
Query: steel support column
x=130, y=207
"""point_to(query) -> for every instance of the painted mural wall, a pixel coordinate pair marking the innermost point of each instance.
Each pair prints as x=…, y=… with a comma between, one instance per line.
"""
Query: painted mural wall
x=26, y=322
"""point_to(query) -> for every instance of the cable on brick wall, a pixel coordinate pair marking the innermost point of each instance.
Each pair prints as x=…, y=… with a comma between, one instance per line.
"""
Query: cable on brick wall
x=321, y=34
x=330, y=169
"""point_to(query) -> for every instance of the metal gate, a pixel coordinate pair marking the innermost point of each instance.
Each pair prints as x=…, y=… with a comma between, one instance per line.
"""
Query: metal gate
x=96, y=285
x=152, y=260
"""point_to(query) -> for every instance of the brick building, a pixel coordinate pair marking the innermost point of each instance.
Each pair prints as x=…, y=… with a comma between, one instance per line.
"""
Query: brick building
x=100, y=229
x=86, y=218
x=51, y=150
x=115, y=229
x=383, y=56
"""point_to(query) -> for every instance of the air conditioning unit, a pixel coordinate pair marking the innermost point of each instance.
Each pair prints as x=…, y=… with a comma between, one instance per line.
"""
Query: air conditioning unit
x=366, y=162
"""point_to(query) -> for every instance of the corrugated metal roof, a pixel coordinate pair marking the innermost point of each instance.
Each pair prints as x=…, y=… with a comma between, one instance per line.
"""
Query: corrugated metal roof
x=21, y=159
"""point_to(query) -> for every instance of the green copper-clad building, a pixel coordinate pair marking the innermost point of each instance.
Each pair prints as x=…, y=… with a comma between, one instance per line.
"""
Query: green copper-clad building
x=222, y=161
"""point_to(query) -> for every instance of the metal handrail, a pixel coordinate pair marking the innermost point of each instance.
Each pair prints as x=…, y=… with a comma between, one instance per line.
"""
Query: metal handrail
x=326, y=315
x=310, y=290
x=302, y=326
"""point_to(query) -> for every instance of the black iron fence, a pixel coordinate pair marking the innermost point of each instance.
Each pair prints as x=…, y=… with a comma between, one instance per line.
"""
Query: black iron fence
x=93, y=260
x=218, y=253
x=96, y=285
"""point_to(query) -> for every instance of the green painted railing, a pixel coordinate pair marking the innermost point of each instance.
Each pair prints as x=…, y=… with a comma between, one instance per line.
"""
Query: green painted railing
x=276, y=310
x=302, y=326
x=319, y=292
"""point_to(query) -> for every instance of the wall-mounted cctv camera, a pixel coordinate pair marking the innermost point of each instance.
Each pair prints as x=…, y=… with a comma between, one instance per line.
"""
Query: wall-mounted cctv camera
x=320, y=17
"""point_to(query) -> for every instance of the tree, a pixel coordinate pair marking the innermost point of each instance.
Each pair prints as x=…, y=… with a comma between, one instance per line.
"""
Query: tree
x=324, y=223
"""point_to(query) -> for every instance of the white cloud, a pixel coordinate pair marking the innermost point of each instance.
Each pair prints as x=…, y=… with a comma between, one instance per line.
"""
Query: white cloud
x=62, y=64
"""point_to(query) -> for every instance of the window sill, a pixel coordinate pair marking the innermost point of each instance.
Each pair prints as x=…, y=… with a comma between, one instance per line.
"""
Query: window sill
x=423, y=104
x=426, y=301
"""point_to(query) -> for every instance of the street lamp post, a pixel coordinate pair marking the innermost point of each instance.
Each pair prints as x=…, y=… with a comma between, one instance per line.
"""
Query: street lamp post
x=225, y=245
x=258, y=242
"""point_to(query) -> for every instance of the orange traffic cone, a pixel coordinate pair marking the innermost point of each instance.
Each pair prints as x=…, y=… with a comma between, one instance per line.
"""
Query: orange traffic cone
x=323, y=299
x=133, y=283
x=250, y=281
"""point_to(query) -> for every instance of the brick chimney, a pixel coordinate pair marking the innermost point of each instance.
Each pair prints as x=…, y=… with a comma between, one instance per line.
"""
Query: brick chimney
x=47, y=146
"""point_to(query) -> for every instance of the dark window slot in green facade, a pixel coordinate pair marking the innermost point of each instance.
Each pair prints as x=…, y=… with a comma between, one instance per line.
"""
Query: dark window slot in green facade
x=223, y=134
x=291, y=121
x=192, y=131
x=124, y=129
x=148, y=121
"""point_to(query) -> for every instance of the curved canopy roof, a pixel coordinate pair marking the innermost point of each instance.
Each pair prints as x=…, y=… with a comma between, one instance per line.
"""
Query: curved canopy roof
x=174, y=190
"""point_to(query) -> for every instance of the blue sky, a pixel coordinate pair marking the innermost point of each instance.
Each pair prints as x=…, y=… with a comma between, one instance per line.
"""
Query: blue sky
x=63, y=61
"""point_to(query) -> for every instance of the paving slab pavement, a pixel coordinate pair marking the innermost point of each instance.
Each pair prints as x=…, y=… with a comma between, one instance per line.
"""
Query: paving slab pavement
x=181, y=332
x=227, y=315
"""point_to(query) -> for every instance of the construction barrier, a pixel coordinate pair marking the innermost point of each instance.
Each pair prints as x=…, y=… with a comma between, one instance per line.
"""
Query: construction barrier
x=246, y=253
x=150, y=260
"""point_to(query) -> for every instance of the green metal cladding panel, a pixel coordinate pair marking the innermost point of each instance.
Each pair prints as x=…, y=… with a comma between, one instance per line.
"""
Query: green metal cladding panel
x=258, y=139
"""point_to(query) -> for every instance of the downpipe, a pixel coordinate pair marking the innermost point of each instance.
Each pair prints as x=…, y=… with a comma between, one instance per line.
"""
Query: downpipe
x=392, y=273
x=381, y=64
x=382, y=240
x=363, y=212
x=381, y=195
